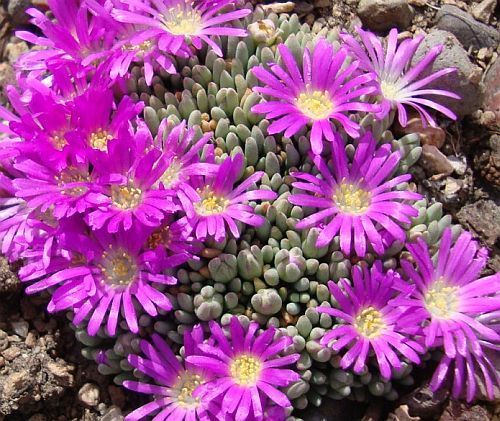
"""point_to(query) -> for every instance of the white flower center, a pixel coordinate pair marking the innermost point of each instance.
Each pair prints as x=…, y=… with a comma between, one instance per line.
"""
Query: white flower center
x=182, y=19
x=316, y=104
x=441, y=299
x=118, y=268
x=351, y=199
x=370, y=323
x=172, y=174
x=126, y=197
x=184, y=388
x=389, y=90
x=210, y=204
x=245, y=370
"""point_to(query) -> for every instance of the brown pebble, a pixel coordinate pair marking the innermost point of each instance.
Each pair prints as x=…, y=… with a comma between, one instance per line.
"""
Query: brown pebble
x=210, y=253
x=10, y=354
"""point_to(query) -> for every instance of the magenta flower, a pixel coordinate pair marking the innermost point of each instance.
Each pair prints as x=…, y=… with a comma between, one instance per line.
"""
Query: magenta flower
x=104, y=276
x=63, y=192
x=451, y=299
x=246, y=369
x=467, y=370
x=172, y=25
x=211, y=203
x=319, y=94
x=75, y=37
x=127, y=192
x=181, y=155
x=398, y=83
x=173, y=393
x=133, y=45
x=357, y=200
x=371, y=323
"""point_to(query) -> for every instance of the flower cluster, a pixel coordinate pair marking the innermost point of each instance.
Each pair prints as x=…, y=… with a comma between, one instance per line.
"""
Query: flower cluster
x=107, y=213
x=236, y=379
x=98, y=208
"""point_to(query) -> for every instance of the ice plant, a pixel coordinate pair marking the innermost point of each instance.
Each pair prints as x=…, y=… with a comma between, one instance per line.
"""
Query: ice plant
x=128, y=191
x=247, y=369
x=76, y=37
x=213, y=203
x=174, y=25
x=322, y=92
x=356, y=200
x=105, y=276
x=181, y=155
x=399, y=82
x=176, y=382
x=369, y=322
x=450, y=297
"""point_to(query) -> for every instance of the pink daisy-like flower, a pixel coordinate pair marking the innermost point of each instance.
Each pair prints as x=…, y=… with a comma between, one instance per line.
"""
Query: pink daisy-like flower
x=371, y=323
x=133, y=44
x=450, y=300
x=399, y=84
x=105, y=276
x=322, y=92
x=357, y=200
x=211, y=203
x=127, y=191
x=176, y=382
x=246, y=370
x=75, y=37
x=174, y=25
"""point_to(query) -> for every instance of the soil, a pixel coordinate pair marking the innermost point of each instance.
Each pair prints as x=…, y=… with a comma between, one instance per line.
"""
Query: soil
x=43, y=376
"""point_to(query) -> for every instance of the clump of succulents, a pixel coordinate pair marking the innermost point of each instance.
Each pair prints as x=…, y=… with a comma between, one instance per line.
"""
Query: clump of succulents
x=215, y=197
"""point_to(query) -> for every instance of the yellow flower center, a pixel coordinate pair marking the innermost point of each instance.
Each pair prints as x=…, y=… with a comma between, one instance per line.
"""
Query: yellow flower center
x=389, y=90
x=72, y=175
x=210, y=204
x=182, y=19
x=185, y=386
x=99, y=140
x=118, y=268
x=171, y=175
x=369, y=322
x=316, y=104
x=126, y=197
x=58, y=141
x=142, y=48
x=351, y=199
x=245, y=370
x=441, y=299
x=160, y=237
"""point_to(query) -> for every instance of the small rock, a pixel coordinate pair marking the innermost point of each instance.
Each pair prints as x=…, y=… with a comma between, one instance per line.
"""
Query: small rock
x=452, y=187
x=466, y=81
x=20, y=328
x=469, y=31
x=492, y=85
x=89, y=394
x=10, y=354
x=14, y=49
x=322, y=3
x=16, y=9
x=401, y=414
x=424, y=403
x=459, y=164
x=112, y=414
x=488, y=162
x=14, y=385
x=484, y=10
x=38, y=417
x=458, y=411
x=9, y=282
x=428, y=135
x=61, y=372
x=279, y=7
x=381, y=15
x=433, y=161
x=482, y=218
